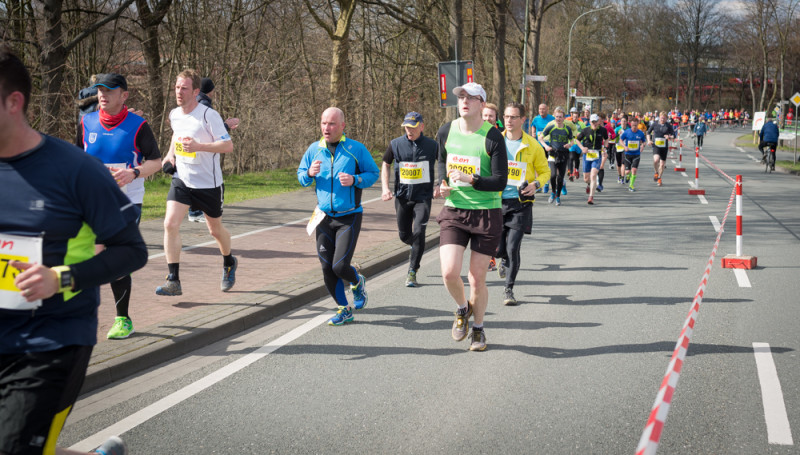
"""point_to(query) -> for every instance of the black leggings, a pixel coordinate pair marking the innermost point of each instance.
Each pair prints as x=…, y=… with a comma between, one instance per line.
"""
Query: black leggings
x=574, y=162
x=336, y=243
x=121, y=288
x=508, y=250
x=557, y=171
x=700, y=140
x=412, y=219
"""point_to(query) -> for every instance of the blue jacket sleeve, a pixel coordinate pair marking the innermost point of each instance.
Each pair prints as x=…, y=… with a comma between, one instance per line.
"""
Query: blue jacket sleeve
x=369, y=170
x=305, y=163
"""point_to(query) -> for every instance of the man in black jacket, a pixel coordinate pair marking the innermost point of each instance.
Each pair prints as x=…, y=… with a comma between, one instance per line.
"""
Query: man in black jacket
x=414, y=187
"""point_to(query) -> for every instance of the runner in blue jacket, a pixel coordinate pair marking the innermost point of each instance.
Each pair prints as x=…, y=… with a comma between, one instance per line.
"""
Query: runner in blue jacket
x=340, y=168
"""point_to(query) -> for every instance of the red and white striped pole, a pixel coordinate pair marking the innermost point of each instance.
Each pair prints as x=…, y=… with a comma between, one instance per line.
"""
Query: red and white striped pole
x=679, y=167
x=739, y=261
x=696, y=190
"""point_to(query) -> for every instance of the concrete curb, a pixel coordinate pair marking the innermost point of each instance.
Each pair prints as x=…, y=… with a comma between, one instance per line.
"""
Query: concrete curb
x=288, y=295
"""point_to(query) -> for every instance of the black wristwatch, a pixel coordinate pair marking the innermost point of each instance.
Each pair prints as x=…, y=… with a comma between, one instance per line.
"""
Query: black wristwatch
x=136, y=173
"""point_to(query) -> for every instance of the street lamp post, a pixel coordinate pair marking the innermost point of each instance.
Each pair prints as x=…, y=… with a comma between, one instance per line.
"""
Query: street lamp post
x=569, y=47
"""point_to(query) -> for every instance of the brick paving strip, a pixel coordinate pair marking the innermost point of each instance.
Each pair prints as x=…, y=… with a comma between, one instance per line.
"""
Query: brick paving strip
x=278, y=272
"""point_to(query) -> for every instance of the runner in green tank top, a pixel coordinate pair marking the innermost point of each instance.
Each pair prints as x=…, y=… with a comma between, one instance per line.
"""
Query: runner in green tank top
x=473, y=169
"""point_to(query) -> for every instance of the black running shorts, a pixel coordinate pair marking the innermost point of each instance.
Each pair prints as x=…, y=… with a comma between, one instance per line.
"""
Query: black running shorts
x=518, y=215
x=37, y=391
x=632, y=161
x=661, y=152
x=209, y=200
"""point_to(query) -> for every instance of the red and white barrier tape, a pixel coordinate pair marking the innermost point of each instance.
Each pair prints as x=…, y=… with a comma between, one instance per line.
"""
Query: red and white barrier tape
x=713, y=166
x=648, y=444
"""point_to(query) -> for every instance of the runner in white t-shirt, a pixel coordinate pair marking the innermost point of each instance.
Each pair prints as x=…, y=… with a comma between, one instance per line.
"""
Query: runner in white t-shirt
x=199, y=136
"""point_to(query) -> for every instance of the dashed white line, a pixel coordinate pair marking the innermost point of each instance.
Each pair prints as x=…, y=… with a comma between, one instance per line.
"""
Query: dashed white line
x=702, y=199
x=741, y=278
x=715, y=222
x=778, y=429
x=684, y=174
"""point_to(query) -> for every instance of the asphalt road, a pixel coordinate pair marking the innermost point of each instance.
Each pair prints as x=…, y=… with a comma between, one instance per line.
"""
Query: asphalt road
x=605, y=290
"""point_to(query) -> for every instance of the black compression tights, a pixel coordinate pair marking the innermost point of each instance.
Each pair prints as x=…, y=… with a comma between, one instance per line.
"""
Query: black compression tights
x=336, y=242
x=508, y=250
x=557, y=171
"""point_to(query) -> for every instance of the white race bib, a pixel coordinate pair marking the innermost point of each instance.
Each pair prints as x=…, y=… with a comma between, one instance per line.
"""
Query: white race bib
x=516, y=172
x=661, y=142
x=592, y=155
x=315, y=219
x=620, y=147
x=23, y=249
x=413, y=173
x=466, y=164
x=633, y=145
x=119, y=166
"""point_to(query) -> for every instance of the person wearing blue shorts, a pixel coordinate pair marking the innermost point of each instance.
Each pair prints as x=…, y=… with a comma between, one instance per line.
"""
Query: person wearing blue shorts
x=592, y=141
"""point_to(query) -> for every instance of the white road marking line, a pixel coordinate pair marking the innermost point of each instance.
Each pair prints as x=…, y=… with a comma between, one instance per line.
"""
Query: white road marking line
x=740, y=149
x=753, y=158
x=177, y=397
x=684, y=174
x=245, y=234
x=778, y=429
x=741, y=278
x=702, y=199
x=714, y=222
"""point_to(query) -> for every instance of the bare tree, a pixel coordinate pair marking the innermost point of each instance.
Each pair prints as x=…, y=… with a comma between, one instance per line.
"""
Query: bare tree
x=337, y=25
x=696, y=24
x=54, y=52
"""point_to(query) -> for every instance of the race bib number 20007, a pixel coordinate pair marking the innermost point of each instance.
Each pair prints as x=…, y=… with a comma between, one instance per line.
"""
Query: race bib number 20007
x=17, y=248
x=413, y=173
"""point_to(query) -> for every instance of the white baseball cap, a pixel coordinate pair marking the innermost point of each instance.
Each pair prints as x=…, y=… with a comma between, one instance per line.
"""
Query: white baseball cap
x=472, y=89
x=594, y=118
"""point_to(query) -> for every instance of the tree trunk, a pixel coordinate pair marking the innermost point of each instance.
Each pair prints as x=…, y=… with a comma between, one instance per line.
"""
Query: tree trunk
x=339, y=33
x=500, y=25
x=54, y=54
x=52, y=59
x=151, y=20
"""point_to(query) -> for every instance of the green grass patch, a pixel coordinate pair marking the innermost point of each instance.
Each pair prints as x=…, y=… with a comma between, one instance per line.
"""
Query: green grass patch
x=238, y=188
x=789, y=165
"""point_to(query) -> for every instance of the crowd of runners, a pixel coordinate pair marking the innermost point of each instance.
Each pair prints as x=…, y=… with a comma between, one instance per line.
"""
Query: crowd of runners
x=75, y=220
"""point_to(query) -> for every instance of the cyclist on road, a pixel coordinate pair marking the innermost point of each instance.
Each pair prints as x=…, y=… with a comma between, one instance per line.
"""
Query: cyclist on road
x=769, y=139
